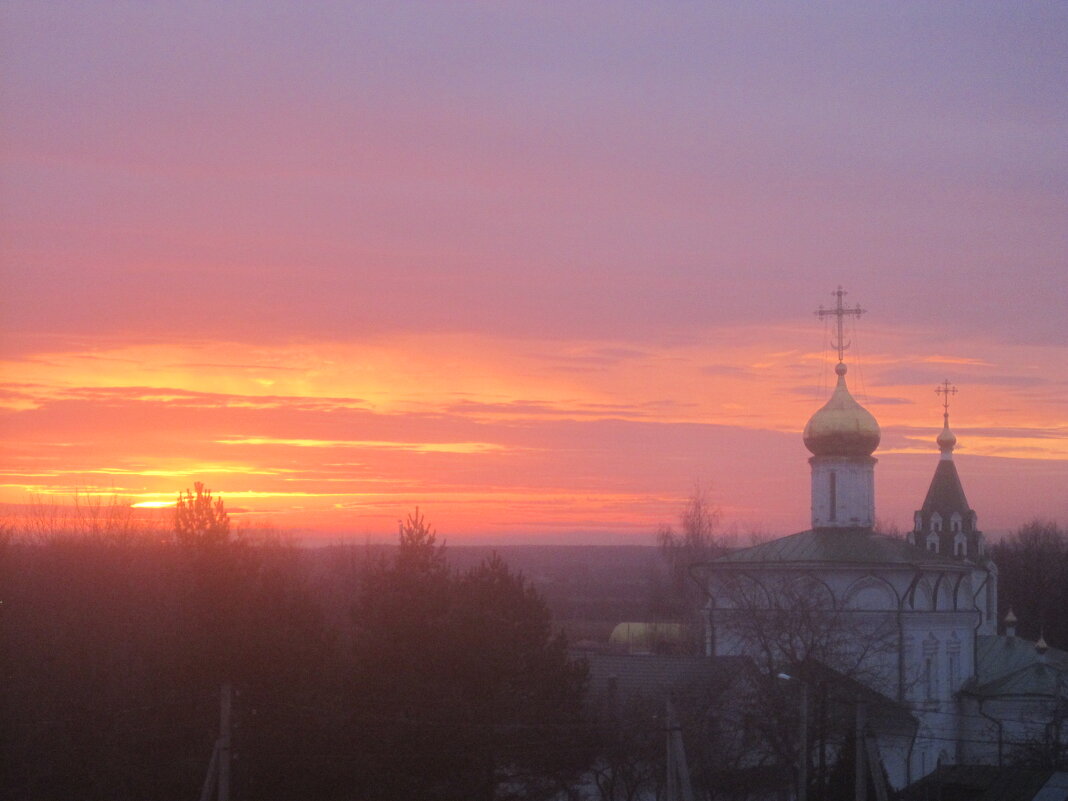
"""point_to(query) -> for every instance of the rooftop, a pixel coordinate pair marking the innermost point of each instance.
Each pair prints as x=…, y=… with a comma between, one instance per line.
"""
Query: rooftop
x=844, y=546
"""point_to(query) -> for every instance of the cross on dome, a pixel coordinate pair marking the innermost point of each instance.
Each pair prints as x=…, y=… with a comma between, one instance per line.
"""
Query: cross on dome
x=945, y=390
x=841, y=312
x=947, y=440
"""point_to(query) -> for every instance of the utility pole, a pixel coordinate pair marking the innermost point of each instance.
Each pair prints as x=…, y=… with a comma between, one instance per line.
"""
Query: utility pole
x=678, y=772
x=219, y=766
x=860, y=785
x=802, y=735
x=225, y=705
x=802, y=761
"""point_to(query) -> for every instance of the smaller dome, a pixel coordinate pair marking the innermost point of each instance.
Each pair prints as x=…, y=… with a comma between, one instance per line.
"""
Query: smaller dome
x=947, y=440
x=842, y=427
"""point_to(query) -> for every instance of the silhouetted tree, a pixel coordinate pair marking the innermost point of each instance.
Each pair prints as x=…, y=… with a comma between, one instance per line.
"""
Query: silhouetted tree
x=417, y=549
x=459, y=688
x=1033, y=579
x=109, y=670
x=694, y=542
x=198, y=520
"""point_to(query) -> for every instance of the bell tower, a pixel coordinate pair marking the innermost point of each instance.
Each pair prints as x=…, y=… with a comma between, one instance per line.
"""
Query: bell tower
x=842, y=436
x=945, y=523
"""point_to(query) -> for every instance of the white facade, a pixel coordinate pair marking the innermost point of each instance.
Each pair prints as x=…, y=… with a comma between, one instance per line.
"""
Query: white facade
x=843, y=491
x=914, y=620
x=907, y=630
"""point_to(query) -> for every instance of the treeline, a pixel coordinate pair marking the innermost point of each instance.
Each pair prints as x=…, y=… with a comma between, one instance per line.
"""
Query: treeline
x=114, y=647
x=1032, y=566
x=394, y=676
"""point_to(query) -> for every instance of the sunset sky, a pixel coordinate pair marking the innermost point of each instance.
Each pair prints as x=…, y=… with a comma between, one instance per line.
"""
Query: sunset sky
x=539, y=268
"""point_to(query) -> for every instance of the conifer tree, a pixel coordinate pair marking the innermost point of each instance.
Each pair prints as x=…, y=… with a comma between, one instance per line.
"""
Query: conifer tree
x=199, y=519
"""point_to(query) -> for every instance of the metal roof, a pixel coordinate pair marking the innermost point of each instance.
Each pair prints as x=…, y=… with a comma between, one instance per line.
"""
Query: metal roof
x=987, y=783
x=946, y=494
x=855, y=546
x=1013, y=666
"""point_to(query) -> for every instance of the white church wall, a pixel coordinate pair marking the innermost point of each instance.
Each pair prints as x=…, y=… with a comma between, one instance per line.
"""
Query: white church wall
x=843, y=492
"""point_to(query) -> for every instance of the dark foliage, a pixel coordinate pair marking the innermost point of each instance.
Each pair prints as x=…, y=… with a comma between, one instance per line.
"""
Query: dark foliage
x=113, y=651
x=1033, y=580
x=198, y=521
x=112, y=664
x=459, y=689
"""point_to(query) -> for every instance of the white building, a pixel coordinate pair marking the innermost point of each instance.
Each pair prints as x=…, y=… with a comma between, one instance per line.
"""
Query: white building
x=914, y=619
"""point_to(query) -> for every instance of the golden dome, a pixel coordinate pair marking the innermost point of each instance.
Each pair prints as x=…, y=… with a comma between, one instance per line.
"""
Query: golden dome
x=842, y=427
x=947, y=440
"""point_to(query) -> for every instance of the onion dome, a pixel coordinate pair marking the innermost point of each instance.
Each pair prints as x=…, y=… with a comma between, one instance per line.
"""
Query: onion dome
x=947, y=440
x=842, y=427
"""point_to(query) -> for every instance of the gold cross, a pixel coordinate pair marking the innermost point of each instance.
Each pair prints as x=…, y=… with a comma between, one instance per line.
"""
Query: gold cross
x=841, y=313
x=945, y=390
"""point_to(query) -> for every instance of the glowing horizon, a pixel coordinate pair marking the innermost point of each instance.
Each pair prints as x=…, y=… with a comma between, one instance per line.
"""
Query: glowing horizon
x=540, y=273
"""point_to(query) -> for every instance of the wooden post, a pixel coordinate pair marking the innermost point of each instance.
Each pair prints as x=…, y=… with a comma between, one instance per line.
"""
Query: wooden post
x=861, y=777
x=802, y=759
x=225, y=704
x=678, y=772
x=211, y=778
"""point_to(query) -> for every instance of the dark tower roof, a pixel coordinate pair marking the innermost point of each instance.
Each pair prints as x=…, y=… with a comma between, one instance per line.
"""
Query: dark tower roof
x=945, y=523
x=945, y=495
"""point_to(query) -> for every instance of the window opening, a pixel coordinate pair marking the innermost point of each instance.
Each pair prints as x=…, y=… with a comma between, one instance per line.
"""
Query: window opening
x=834, y=496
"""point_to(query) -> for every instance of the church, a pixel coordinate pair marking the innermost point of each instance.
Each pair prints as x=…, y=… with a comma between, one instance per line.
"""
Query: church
x=913, y=620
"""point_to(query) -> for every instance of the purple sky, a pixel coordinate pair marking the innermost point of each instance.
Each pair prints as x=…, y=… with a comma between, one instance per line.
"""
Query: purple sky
x=613, y=183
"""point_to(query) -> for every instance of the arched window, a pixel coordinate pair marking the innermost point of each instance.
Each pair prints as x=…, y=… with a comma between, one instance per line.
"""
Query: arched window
x=953, y=652
x=930, y=668
x=936, y=522
x=960, y=544
x=955, y=522
x=932, y=542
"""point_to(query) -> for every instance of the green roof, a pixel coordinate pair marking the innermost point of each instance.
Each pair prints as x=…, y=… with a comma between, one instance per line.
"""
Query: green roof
x=1014, y=666
x=853, y=546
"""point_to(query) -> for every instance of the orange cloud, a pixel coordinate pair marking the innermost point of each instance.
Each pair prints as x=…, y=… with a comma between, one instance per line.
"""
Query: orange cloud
x=498, y=435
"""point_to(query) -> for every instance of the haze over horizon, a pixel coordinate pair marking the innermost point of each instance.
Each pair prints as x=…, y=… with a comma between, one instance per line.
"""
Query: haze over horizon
x=537, y=269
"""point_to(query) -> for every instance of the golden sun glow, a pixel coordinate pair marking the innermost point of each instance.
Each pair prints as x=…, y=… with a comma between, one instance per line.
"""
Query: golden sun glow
x=495, y=433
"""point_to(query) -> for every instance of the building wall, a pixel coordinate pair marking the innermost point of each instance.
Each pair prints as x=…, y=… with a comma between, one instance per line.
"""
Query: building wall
x=843, y=491
x=909, y=635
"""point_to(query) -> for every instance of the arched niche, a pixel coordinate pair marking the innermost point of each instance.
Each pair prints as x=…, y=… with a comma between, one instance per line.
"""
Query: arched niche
x=812, y=589
x=871, y=593
x=964, y=598
x=922, y=596
x=740, y=590
x=944, y=600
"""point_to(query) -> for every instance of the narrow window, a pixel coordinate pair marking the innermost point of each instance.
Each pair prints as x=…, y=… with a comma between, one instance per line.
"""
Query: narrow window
x=834, y=496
